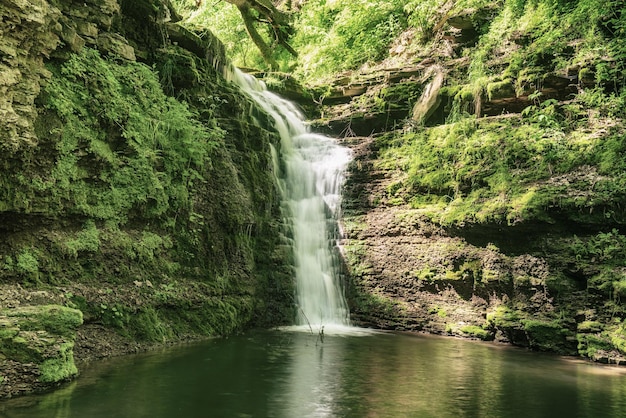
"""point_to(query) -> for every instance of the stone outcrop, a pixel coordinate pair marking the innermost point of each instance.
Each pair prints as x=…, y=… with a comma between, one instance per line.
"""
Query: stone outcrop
x=371, y=103
x=430, y=99
x=30, y=31
x=407, y=273
x=530, y=279
x=37, y=344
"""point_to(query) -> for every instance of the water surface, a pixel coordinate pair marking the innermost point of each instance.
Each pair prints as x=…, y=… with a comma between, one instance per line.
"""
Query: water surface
x=299, y=374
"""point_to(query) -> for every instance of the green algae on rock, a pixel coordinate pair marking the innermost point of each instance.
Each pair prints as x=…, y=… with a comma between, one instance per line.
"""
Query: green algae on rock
x=42, y=336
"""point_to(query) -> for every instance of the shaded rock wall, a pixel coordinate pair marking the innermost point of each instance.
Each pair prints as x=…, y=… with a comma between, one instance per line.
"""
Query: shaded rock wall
x=135, y=189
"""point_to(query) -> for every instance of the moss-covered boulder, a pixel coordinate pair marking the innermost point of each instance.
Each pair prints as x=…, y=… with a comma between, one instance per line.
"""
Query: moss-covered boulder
x=40, y=338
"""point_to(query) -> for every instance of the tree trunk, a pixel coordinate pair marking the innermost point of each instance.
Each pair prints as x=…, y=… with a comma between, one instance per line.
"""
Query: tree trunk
x=275, y=18
x=265, y=50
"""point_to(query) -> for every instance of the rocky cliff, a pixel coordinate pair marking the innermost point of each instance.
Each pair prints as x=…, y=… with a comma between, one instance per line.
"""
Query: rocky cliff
x=486, y=195
x=137, y=203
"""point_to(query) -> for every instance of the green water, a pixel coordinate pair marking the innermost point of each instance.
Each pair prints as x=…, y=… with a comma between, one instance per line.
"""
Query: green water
x=295, y=374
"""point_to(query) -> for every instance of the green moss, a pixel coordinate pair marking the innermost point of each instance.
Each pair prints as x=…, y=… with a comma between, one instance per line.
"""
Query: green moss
x=87, y=240
x=427, y=273
x=590, y=344
x=117, y=127
x=491, y=276
x=147, y=325
x=61, y=367
x=375, y=305
x=503, y=317
x=21, y=349
x=212, y=318
x=618, y=338
x=453, y=275
x=596, y=339
x=544, y=334
x=472, y=270
x=590, y=327
x=58, y=320
x=549, y=336
x=466, y=94
x=500, y=89
x=498, y=171
x=477, y=332
x=8, y=330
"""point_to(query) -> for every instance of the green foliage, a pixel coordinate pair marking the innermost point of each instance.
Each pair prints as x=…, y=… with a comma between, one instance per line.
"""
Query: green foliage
x=604, y=256
x=503, y=317
x=484, y=171
x=27, y=263
x=590, y=345
x=114, y=315
x=605, y=247
x=589, y=327
x=543, y=30
x=602, y=341
x=549, y=336
x=607, y=104
x=544, y=114
x=225, y=21
x=423, y=16
x=329, y=36
x=124, y=146
x=87, y=240
x=150, y=244
x=333, y=36
x=544, y=334
x=146, y=325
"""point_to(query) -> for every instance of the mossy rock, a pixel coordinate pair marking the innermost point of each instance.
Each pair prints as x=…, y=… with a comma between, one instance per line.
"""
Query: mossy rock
x=550, y=336
x=537, y=334
x=477, y=332
x=592, y=345
x=501, y=89
x=43, y=335
x=54, y=319
x=504, y=317
x=60, y=367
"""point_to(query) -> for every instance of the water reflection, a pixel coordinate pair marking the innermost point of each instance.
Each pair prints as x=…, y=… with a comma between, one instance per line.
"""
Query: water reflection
x=398, y=375
x=294, y=374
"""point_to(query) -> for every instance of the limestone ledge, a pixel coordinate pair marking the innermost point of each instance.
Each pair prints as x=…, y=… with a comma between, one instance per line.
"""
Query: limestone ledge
x=33, y=31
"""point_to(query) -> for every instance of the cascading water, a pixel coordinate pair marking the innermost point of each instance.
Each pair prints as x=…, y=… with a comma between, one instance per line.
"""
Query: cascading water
x=313, y=174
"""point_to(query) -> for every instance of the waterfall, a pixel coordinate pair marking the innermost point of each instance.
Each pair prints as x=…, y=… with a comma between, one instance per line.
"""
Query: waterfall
x=310, y=175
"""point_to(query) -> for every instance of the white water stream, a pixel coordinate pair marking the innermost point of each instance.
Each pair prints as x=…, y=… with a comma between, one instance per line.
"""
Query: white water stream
x=310, y=175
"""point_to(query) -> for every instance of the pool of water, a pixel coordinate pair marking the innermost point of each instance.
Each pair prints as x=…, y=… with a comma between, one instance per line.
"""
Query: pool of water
x=294, y=373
